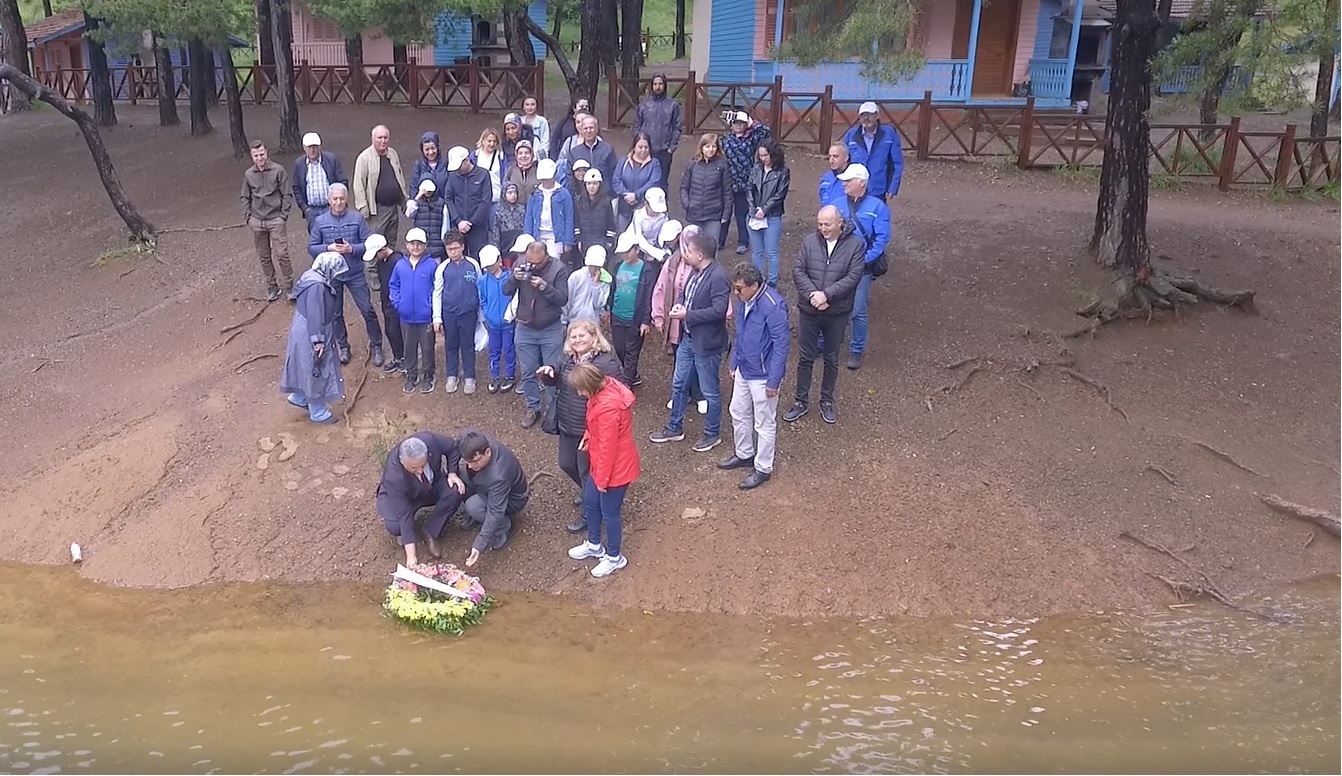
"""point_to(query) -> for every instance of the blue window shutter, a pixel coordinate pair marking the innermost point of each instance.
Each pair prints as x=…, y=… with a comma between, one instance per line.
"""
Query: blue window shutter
x=731, y=45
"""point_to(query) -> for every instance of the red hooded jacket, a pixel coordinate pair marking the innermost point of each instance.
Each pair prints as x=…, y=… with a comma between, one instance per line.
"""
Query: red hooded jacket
x=610, y=436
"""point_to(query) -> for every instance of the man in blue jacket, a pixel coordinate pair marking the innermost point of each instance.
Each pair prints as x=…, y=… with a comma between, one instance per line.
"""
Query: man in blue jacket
x=313, y=175
x=830, y=188
x=759, y=360
x=469, y=197
x=702, y=311
x=344, y=231
x=870, y=218
x=878, y=147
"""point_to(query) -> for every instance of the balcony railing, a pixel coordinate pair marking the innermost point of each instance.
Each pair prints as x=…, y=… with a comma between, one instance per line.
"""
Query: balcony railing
x=1048, y=78
x=947, y=79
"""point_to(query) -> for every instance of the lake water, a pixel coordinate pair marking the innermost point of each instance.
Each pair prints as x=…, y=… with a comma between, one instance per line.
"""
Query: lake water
x=311, y=679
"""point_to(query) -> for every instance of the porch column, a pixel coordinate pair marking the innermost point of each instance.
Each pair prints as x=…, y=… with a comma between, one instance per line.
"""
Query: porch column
x=1071, y=46
x=778, y=23
x=973, y=49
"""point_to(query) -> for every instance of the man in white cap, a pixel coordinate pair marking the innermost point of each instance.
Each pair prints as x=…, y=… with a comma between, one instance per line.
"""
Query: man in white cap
x=879, y=147
x=470, y=194
x=870, y=217
x=378, y=260
x=312, y=176
x=550, y=211
x=588, y=289
x=344, y=231
x=379, y=190
x=740, y=147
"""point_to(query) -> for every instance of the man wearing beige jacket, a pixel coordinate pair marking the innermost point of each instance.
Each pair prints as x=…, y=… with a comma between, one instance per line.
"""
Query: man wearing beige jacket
x=379, y=186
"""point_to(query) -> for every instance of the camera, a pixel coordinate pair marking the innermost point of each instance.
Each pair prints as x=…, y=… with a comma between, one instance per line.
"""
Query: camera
x=524, y=270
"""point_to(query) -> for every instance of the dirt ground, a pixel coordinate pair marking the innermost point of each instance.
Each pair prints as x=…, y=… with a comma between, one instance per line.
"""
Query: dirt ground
x=131, y=431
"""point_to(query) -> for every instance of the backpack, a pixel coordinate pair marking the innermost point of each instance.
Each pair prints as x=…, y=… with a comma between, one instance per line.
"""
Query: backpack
x=881, y=265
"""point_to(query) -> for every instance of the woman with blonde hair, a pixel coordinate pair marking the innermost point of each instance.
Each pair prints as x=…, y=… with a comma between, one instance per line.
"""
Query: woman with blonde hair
x=585, y=344
x=609, y=443
x=489, y=155
x=706, y=189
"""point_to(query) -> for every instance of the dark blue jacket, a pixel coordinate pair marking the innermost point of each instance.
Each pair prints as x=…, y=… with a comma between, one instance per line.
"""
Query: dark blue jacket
x=871, y=222
x=630, y=178
x=411, y=290
x=327, y=227
x=438, y=174
x=334, y=174
x=469, y=198
x=561, y=214
x=429, y=217
x=885, y=162
x=706, y=315
x=762, y=339
x=455, y=289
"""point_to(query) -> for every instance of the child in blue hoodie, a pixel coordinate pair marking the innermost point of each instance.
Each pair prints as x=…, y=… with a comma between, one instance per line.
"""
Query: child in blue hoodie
x=456, y=310
x=493, y=305
x=411, y=290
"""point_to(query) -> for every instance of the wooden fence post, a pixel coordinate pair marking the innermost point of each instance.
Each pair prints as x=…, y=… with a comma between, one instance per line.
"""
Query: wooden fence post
x=612, y=98
x=776, y=108
x=414, y=82
x=258, y=76
x=538, y=86
x=304, y=81
x=131, y=88
x=473, y=74
x=1023, y=140
x=692, y=102
x=826, y=129
x=1228, y=153
x=356, y=76
x=924, y=126
x=1285, y=154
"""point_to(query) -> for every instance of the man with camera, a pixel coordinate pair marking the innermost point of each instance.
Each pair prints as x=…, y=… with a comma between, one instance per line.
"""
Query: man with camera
x=542, y=291
x=344, y=231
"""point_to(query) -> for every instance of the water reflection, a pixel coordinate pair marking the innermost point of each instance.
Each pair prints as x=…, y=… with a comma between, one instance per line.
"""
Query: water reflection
x=311, y=680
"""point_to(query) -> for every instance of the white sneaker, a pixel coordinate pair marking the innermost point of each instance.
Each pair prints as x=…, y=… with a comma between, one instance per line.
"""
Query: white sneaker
x=451, y=385
x=586, y=550
x=609, y=565
x=702, y=406
x=469, y=388
x=668, y=404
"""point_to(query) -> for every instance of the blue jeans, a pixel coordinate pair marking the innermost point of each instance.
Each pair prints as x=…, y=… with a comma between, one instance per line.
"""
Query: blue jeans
x=708, y=370
x=858, y=342
x=459, y=343
x=502, y=351
x=535, y=348
x=603, y=509
x=317, y=411
x=764, y=248
x=357, y=284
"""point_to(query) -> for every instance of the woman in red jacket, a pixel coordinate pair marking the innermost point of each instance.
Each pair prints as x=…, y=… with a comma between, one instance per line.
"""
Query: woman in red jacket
x=609, y=443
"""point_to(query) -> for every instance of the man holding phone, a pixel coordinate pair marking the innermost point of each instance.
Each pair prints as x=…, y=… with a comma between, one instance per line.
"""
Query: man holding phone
x=344, y=231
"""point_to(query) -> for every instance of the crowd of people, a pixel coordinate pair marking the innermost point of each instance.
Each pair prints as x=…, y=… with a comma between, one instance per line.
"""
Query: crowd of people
x=558, y=257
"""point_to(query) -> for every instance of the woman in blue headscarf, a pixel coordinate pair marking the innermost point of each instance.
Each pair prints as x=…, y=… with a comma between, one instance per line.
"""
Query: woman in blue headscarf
x=311, y=375
x=430, y=165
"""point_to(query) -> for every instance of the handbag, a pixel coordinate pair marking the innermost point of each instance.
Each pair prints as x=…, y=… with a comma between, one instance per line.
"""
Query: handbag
x=880, y=265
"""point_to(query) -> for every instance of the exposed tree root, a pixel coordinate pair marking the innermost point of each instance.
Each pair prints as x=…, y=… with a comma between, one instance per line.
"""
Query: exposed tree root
x=532, y=479
x=354, y=397
x=1098, y=386
x=1322, y=518
x=226, y=340
x=1203, y=584
x=947, y=435
x=250, y=320
x=1155, y=290
x=46, y=361
x=1224, y=456
x=181, y=229
x=254, y=359
x=1163, y=472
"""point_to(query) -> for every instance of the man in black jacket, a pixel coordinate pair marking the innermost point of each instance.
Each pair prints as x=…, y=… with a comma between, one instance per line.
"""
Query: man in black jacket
x=541, y=285
x=498, y=488
x=421, y=471
x=702, y=310
x=313, y=174
x=826, y=273
x=469, y=197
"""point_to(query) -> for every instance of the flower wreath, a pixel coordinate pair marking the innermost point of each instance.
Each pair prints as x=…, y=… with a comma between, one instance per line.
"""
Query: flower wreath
x=435, y=611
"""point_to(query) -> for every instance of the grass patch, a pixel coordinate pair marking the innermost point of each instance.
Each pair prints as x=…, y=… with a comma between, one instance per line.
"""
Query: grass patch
x=1163, y=181
x=1190, y=162
x=387, y=432
x=135, y=249
x=1083, y=175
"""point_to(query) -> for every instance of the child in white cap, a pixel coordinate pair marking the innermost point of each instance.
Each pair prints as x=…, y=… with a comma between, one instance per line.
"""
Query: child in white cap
x=588, y=288
x=428, y=212
x=493, y=309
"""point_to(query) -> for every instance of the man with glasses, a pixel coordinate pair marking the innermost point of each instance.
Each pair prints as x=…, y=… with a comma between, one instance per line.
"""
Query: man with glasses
x=759, y=360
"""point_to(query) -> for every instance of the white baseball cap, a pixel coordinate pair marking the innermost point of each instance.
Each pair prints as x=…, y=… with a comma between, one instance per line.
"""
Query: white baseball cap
x=625, y=242
x=867, y=107
x=489, y=256
x=427, y=185
x=656, y=199
x=595, y=257
x=855, y=172
x=670, y=231
x=521, y=243
x=546, y=169
x=455, y=157
x=372, y=245
x=512, y=118
x=312, y=139
x=592, y=176
x=416, y=235
x=741, y=116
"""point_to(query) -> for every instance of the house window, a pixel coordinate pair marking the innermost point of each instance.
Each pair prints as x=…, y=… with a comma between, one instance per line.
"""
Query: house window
x=818, y=16
x=323, y=30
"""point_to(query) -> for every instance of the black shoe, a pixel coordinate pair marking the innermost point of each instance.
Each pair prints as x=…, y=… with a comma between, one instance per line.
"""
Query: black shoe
x=428, y=384
x=636, y=383
x=272, y=293
x=530, y=419
x=377, y=355
x=344, y=355
x=795, y=412
x=706, y=442
x=577, y=500
x=409, y=385
x=393, y=366
x=493, y=386
x=855, y=361
x=827, y=412
x=733, y=462
x=754, y=480
x=506, y=384
x=577, y=525
x=291, y=296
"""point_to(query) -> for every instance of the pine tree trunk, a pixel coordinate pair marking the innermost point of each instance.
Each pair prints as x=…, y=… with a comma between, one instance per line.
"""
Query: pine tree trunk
x=1119, y=240
x=1323, y=85
x=1209, y=102
x=233, y=97
x=198, y=83
x=167, y=84
x=631, y=38
x=13, y=40
x=141, y=229
x=46, y=9
x=597, y=48
x=611, y=13
x=680, y=29
x=100, y=79
x=517, y=36
x=265, y=36
x=558, y=9
x=353, y=50
x=282, y=35
x=559, y=55
x=212, y=96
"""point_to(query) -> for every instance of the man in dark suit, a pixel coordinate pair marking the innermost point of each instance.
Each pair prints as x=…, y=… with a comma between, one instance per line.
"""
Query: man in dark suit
x=421, y=472
x=498, y=487
x=702, y=310
x=313, y=174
